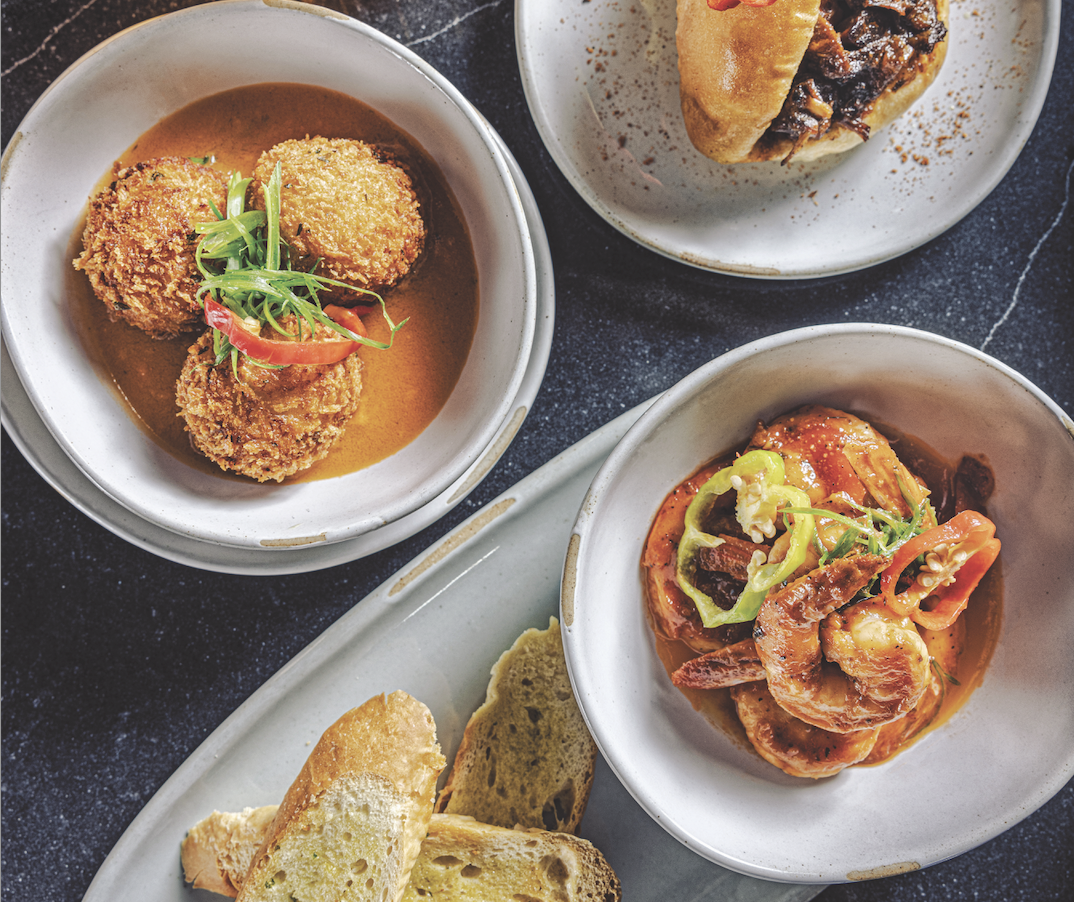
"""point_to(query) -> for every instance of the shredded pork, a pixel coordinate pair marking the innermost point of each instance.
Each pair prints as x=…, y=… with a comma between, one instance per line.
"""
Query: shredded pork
x=859, y=49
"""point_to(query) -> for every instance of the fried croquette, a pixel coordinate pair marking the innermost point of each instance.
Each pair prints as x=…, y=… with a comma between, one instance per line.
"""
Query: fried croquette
x=268, y=423
x=139, y=242
x=346, y=206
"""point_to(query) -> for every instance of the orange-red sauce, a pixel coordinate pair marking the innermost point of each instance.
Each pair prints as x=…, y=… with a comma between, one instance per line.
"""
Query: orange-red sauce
x=983, y=617
x=403, y=389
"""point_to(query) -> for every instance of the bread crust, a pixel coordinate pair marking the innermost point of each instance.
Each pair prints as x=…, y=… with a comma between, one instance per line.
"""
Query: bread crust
x=381, y=756
x=461, y=859
x=218, y=851
x=526, y=757
x=736, y=68
x=467, y=861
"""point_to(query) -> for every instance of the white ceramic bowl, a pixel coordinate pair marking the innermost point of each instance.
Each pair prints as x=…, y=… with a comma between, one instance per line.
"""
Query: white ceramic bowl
x=1002, y=755
x=120, y=89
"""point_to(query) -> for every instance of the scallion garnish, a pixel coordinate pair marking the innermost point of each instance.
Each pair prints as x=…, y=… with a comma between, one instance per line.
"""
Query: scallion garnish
x=245, y=267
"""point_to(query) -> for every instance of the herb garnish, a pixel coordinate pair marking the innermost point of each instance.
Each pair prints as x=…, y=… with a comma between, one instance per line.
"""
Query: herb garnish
x=245, y=266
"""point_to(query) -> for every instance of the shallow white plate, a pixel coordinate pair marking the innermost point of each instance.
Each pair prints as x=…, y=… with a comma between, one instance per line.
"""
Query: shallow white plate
x=510, y=551
x=49, y=460
x=602, y=83
x=98, y=108
x=1001, y=756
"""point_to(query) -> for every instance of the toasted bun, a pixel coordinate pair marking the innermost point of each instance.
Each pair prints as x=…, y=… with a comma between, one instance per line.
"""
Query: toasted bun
x=526, y=757
x=736, y=68
x=354, y=819
x=467, y=861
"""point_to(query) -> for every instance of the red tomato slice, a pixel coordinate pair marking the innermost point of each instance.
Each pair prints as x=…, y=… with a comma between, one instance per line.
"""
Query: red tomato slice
x=282, y=352
x=347, y=318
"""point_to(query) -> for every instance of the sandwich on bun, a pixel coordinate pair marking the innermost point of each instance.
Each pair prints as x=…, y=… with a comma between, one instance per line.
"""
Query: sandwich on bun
x=783, y=79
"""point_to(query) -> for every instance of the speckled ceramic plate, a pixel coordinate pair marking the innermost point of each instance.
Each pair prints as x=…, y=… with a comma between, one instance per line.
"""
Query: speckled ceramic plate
x=1000, y=756
x=602, y=83
x=407, y=635
x=98, y=108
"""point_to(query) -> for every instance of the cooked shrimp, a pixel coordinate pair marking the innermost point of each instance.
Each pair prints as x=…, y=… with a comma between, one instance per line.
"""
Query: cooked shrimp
x=828, y=452
x=792, y=745
x=728, y=666
x=884, y=664
x=945, y=647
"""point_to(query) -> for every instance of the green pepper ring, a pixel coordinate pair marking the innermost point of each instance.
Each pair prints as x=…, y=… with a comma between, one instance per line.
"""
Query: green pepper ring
x=766, y=466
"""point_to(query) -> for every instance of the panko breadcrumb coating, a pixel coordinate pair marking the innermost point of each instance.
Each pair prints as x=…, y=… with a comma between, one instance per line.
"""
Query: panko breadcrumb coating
x=270, y=422
x=139, y=242
x=347, y=204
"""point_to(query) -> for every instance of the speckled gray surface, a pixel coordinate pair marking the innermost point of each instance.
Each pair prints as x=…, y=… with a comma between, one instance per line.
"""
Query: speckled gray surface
x=117, y=664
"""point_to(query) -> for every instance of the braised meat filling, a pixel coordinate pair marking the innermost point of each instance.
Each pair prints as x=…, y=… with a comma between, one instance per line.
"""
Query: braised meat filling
x=859, y=49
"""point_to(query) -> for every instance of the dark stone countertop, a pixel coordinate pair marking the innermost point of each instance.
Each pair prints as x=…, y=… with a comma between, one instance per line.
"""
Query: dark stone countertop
x=117, y=663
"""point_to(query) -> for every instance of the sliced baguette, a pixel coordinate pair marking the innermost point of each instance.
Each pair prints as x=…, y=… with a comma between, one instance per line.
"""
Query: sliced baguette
x=218, y=851
x=352, y=823
x=526, y=757
x=461, y=860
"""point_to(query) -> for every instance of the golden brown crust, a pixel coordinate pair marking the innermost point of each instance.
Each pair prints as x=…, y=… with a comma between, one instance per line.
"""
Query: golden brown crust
x=138, y=244
x=347, y=206
x=266, y=423
x=377, y=765
x=736, y=69
x=393, y=736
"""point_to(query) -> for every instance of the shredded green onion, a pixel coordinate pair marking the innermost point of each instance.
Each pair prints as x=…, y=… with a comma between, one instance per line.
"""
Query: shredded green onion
x=241, y=258
x=879, y=531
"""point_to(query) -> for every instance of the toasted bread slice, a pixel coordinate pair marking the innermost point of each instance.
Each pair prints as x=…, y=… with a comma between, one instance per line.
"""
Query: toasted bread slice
x=218, y=851
x=467, y=861
x=526, y=757
x=461, y=859
x=353, y=821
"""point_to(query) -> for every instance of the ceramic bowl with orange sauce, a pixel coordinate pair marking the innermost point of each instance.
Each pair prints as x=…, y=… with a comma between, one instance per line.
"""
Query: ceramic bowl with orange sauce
x=1004, y=742
x=229, y=80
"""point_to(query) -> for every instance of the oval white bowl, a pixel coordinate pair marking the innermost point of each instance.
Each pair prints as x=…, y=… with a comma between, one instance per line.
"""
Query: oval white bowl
x=1001, y=756
x=98, y=108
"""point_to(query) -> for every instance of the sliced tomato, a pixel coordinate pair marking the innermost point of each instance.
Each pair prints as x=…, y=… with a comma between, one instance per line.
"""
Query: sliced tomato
x=347, y=318
x=936, y=605
x=283, y=352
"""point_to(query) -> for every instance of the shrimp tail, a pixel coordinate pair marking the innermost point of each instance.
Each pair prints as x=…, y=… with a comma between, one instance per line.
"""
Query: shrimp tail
x=730, y=666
